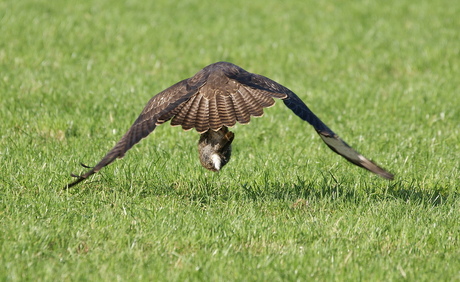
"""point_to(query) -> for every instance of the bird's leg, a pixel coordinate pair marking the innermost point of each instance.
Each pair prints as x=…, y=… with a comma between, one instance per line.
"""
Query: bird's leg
x=215, y=148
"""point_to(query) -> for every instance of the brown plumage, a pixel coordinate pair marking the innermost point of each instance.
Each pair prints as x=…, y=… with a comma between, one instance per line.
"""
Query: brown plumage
x=215, y=98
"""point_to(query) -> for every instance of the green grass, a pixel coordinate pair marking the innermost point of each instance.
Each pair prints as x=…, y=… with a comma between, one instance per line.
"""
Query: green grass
x=384, y=75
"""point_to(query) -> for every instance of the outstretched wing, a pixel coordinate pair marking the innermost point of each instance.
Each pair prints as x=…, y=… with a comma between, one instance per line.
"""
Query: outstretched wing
x=259, y=83
x=157, y=111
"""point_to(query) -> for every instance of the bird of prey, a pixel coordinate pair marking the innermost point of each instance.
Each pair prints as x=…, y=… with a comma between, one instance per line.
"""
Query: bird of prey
x=214, y=99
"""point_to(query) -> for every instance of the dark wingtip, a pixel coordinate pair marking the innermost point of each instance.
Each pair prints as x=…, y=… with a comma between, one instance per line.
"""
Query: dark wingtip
x=340, y=147
x=80, y=179
x=372, y=167
x=387, y=175
x=85, y=166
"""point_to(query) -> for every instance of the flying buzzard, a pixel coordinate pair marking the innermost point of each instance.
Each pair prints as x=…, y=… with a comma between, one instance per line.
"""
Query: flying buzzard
x=214, y=99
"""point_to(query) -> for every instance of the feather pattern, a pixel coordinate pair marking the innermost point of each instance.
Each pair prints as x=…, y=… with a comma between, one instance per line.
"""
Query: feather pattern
x=241, y=111
x=226, y=111
x=215, y=121
x=218, y=96
x=202, y=117
x=253, y=106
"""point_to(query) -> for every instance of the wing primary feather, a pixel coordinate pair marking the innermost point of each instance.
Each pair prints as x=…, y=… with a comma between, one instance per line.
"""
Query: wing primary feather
x=342, y=148
x=334, y=142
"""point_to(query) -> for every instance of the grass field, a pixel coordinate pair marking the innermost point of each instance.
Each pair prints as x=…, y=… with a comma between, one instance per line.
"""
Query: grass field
x=385, y=76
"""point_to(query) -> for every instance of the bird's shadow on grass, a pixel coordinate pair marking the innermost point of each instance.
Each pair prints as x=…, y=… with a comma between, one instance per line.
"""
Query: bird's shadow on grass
x=329, y=190
x=207, y=191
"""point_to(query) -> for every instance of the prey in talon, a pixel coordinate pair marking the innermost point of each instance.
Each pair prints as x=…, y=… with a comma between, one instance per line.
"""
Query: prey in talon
x=215, y=148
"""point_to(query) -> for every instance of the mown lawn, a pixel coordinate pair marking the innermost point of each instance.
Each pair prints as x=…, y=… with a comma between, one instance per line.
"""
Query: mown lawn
x=385, y=76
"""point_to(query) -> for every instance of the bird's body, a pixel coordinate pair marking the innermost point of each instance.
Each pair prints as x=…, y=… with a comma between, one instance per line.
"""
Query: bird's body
x=214, y=99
